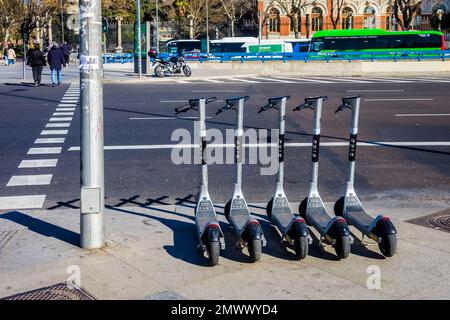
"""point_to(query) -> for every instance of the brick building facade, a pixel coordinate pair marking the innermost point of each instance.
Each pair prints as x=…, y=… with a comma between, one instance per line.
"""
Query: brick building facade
x=316, y=15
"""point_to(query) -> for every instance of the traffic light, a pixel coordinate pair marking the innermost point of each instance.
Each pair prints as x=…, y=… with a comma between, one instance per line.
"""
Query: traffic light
x=105, y=25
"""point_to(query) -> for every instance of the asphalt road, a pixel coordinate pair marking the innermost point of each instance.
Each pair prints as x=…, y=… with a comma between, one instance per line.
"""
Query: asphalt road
x=141, y=116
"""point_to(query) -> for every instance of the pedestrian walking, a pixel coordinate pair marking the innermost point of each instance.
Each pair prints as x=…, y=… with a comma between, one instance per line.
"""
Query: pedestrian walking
x=55, y=60
x=36, y=59
x=65, y=48
x=11, y=54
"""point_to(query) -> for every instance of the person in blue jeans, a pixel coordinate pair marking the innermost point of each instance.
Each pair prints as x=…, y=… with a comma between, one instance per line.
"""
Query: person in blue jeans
x=56, y=61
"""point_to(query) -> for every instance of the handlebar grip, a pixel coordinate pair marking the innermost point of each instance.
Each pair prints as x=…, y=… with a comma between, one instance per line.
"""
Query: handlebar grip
x=182, y=109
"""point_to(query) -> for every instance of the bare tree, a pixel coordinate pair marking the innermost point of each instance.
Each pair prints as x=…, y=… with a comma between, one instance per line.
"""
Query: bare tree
x=335, y=11
x=235, y=10
x=10, y=18
x=293, y=10
x=405, y=10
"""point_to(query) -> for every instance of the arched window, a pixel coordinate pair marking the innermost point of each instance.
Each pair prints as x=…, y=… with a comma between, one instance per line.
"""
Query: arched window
x=316, y=19
x=369, y=17
x=347, y=18
x=274, y=20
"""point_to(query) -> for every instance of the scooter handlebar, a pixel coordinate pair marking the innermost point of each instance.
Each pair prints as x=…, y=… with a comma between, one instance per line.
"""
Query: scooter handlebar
x=346, y=104
x=212, y=99
x=273, y=100
x=266, y=107
x=232, y=99
x=309, y=102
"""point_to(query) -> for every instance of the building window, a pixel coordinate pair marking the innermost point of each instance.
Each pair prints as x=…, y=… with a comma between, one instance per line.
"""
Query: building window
x=274, y=20
x=369, y=17
x=316, y=19
x=347, y=18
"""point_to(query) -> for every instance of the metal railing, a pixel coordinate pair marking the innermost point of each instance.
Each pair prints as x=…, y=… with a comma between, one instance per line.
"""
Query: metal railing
x=298, y=56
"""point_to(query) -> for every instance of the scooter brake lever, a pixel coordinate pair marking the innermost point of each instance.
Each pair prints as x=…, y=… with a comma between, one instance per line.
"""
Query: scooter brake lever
x=302, y=106
x=265, y=108
x=342, y=107
x=182, y=109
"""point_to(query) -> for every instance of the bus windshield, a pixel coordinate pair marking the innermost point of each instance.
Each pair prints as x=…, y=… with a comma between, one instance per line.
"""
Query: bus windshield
x=317, y=46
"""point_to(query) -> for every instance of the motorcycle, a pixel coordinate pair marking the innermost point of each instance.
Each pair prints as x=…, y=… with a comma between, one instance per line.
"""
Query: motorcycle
x=175, y=65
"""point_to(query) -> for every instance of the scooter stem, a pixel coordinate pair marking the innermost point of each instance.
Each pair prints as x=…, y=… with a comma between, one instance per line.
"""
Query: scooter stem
x=355, y=102
x=281, y=137
x=239, y=133
x=202, y=141
x=317, y=106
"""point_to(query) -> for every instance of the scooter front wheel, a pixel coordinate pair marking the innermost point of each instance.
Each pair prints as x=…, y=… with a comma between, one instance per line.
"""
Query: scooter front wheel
x=342, y=246
x=301, y=247
x=255, y=249
x=213, y=252
x=187, y=71
x=388, y=244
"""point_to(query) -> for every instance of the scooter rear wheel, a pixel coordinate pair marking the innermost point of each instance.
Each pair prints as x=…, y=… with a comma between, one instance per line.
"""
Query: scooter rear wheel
x=301, y=247
x=269, y=209
x=388, y=244
x=342, y=247
x=213, y=252
x=339, y=208
x=255, y=249
x=187, y=71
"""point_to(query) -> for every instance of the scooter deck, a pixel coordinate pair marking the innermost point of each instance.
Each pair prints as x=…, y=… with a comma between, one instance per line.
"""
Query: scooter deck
x=281, y=212
x=353, y=210
x=239, y=214
x=316, y=212
x=205, y=215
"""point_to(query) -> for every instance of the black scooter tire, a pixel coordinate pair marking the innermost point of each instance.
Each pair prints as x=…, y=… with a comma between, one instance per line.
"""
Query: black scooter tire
x=255, y=249
x=213, y=253
x=227, y=210
x=269, y=209
x=388, y=244
x=339, y=208
x=342, y=247
x=301, y=247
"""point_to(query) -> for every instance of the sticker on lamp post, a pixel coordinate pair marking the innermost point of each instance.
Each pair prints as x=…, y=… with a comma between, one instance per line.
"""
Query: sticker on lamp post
x=88, y=63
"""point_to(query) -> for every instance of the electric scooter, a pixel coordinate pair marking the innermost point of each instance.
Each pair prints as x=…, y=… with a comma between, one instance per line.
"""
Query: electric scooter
x=210, y=234
x=380, y=229
x=294, y=230
x=246, y=227
x=333, y=230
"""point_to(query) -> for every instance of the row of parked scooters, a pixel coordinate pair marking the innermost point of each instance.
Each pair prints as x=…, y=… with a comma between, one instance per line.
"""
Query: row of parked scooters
x=333, y=229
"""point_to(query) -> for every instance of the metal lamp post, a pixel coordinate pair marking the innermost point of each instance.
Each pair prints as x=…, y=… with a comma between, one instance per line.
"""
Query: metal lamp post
x=207, y=26
x=62, y=22
x=139, y=48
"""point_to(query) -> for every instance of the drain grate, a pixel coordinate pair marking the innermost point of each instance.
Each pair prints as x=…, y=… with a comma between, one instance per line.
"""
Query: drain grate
x=439, y=221
x=5, y=238
x=58, y=291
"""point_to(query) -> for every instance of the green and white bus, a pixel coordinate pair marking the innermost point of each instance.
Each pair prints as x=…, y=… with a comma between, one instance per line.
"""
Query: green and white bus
x=373, y=40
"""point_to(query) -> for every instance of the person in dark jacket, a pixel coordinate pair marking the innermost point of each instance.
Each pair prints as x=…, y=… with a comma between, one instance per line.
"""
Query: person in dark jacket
x=36, y=59
x=56, y=60
x=65, y=48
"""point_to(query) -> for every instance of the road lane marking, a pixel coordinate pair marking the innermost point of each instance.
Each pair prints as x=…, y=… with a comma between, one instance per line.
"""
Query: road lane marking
x=243, y=80
x=399, y=99
x=316, y=80
x=166, y=118
x=375, y=90
x=212, y=80
x=272, y=80
x=182, y=81
x=183, y=101
x=52, y=150
x=422, y=115
x=30, y=180
x=60, y=119
x=40, y=163
x=66, y=105
x=218, y=91
x=349, y=80
x=292, y=144
x=53, y=132
x=62, y=114
x=22, y=202
x=393, y=80
x=58, y=125
x=64, y=109
x=49, y=140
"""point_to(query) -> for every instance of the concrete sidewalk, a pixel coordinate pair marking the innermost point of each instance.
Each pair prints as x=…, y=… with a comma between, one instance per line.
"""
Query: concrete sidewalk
x=151, y=254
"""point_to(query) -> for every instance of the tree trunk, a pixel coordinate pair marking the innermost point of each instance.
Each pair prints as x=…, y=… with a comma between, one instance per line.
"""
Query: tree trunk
x=232, y=27
x=191, y=28
x=5, y=40
x=119, y=33
x=50, y=31
x=294, y=22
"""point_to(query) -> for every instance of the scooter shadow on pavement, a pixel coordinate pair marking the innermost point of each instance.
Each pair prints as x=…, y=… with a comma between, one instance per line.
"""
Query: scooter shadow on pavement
x=184, y=241
x=358, y=249
x=42, y=227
